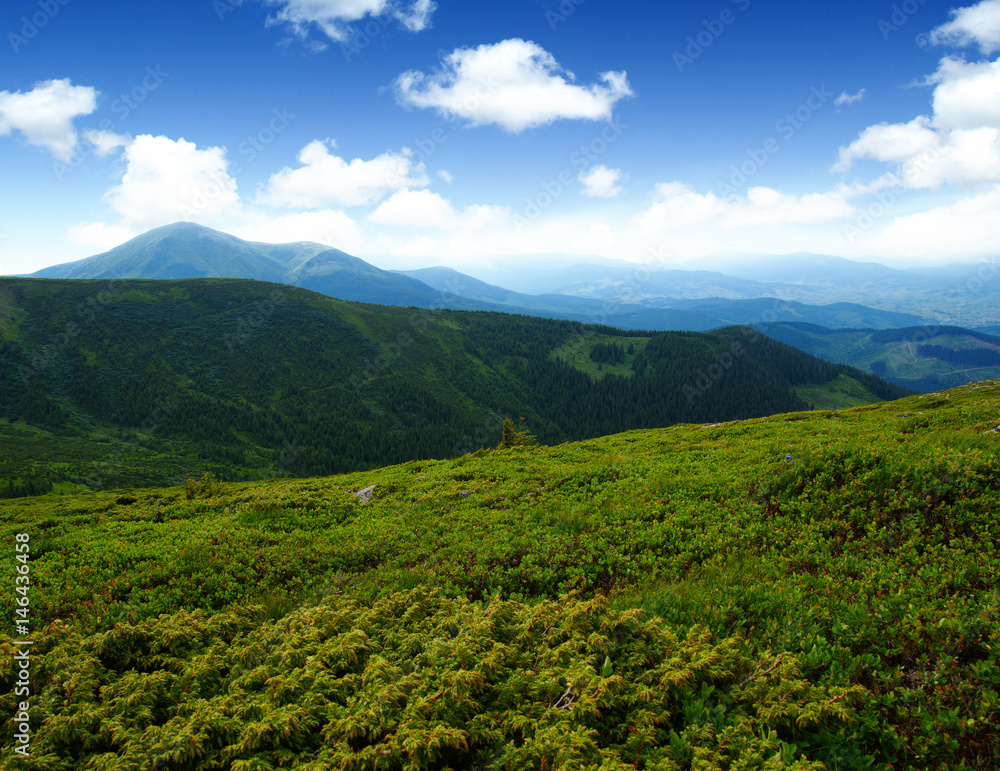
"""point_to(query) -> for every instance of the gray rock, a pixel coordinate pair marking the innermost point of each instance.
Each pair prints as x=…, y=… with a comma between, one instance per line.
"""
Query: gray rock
x=366, y=494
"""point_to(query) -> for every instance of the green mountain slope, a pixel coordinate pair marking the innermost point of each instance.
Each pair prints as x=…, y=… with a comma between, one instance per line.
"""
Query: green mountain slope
x=141, y=382
x=924, y=359
x=805, y=591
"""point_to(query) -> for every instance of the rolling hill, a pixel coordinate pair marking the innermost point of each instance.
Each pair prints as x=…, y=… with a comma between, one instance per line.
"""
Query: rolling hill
x=137, y=382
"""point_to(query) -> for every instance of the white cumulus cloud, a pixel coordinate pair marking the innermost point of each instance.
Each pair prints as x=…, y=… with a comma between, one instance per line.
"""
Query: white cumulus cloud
x=514, y=84
x=889, y=142
x=601, y=182
x=965, y=157
x=678, y=206
x=416, y=208
x=426, y=209
x=44, y=115
x=325, y=179
x=105, y=142
x=967, y=94
x=976, y=25
x=958, y=145
x=333, y=17
x=165, y=181
x=329, y=227
x=168, y=180
x=968, y=226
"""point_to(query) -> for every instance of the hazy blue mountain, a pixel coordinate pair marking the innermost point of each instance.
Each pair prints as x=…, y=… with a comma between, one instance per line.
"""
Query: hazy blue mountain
x=665, y=313
x=540, y=273
x=186, y=250
x=338, y=274
x=617, y=280
x=966, y=294
x=802, y=268
x=817, y=289
x=634, y=283
x=181, y=250
x=451, y=283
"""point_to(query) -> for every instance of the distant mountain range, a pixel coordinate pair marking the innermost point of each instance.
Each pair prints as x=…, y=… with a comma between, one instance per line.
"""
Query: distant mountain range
x=962, y=294
x=816, y=289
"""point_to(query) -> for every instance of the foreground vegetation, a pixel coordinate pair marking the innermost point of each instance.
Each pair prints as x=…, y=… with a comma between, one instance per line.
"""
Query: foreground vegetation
x=109, y=384
x=807, y=590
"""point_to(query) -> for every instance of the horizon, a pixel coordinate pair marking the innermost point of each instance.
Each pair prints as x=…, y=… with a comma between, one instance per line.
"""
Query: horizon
x=419, y=134
x=718, y=262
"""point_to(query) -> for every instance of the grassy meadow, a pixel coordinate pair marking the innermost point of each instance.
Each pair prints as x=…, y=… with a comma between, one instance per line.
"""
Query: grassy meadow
x=806, y=590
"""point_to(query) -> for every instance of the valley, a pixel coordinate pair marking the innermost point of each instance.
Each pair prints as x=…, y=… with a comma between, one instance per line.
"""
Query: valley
x=111, y=383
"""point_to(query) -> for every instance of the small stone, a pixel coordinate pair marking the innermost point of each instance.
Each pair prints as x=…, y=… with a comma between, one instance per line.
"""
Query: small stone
x=366, y=494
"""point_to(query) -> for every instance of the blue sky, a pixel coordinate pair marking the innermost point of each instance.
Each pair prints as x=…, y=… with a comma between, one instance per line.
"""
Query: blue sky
x=414, y=132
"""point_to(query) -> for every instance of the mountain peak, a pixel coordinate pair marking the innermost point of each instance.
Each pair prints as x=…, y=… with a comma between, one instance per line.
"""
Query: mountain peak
x=189, y=250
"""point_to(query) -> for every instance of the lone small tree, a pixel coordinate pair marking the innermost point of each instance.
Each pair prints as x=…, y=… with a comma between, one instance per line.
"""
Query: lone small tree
x=516, y=436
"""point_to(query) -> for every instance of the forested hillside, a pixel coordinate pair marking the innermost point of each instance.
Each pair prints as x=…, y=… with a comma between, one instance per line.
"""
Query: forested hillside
x=925, y=358
x=112, y=383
